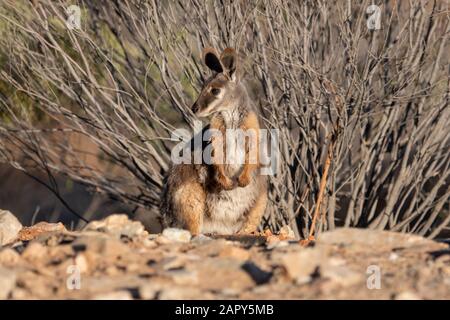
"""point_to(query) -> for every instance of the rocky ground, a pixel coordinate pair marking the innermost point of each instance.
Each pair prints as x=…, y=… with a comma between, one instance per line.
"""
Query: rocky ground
x=117, y=259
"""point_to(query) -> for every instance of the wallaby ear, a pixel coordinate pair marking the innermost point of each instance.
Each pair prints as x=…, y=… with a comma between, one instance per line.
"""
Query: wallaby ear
x=229, y=62
x=212, y=60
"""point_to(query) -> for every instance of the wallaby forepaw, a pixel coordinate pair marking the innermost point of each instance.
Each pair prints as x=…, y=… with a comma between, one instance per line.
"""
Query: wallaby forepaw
x=243, y=181
x=227, y=184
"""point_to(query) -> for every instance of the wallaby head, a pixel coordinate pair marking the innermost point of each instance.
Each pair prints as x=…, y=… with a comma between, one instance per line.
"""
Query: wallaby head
x=220, y=92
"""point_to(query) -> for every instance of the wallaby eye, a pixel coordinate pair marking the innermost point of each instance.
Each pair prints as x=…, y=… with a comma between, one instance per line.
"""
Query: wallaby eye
x=215, y=91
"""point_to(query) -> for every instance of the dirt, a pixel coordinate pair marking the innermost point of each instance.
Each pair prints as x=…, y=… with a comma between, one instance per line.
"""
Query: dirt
x=117, y=259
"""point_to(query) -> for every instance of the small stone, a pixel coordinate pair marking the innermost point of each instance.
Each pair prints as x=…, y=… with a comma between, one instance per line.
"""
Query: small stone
x=201, y=238
x=19, y=294
x=182, y=293
x=118, y=225
x=407, y=295
x=234, y=253
x=162, y=240
x=30, y=233
x=173, y=262
x=35, y=251
x=183, y=277
x=300, y=265
x=393, y=256
x=115, y=295
x=177, y=235
x=107, y=247
x=82, y=263
x=277, y=244
x=9, y=257
x=9, y=227
x=286, y=233
x=341, y=275
x=7, y=282
x=149, y=291
x=112, y=271
x=149, y=243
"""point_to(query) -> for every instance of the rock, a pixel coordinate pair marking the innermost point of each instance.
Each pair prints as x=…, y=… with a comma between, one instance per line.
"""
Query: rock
x=183, y=277
x=201, y=238
x=302, y=264
x=182, y=293
x=341, y=275
x=177, y=235
x=162, y=240
x=19, y=294
x=34, y=252
x=149, y=291
x=379, y=240
x=7, y=282
x=30, y=233
x=118, y=225
x=286, y=233
x=216, y=274
x=82, y=263
x=107, y=247
x=172, y=262
x=149, y=243
x=277, y=244
x=258, y=275
x=407, y=295
x=9, y=227
x=9, y=257
x=116, y=295
x=234, y=253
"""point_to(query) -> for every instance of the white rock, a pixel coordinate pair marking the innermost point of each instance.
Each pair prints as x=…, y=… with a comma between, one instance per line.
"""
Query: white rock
x=177, y=235
x=9, y=257
x=287, y=232
x=201, y=238
x=277, y=244
x=407, y=295
x=393, y=256
x=7, y=282
x=300, y=265
x=9, y=227
x=82, y=263
x=118, y=225
x=115, y=295
x=34, y=252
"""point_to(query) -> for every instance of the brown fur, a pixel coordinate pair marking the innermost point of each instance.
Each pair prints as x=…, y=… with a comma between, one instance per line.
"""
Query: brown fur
x=219, y=197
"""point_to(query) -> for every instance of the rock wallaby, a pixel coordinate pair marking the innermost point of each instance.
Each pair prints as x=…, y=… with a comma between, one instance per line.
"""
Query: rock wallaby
x=221, y=197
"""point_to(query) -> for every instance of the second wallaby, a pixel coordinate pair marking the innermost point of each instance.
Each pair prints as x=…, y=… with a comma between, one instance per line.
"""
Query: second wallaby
x=223, y=197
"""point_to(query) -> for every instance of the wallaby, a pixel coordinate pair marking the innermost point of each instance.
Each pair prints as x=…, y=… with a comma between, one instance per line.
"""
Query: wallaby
x=222, y=197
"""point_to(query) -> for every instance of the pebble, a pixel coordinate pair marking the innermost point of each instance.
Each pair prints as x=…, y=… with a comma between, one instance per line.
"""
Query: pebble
x=9, y=227
x=7, y=282
x=234, y=253
x=34, y=252
x=115, y=295
x=177, y=235
x=118, y=225
x=9, y=257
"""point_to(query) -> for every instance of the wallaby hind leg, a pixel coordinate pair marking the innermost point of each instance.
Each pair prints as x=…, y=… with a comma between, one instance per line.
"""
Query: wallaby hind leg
x=189, y=204
x=255, y=214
